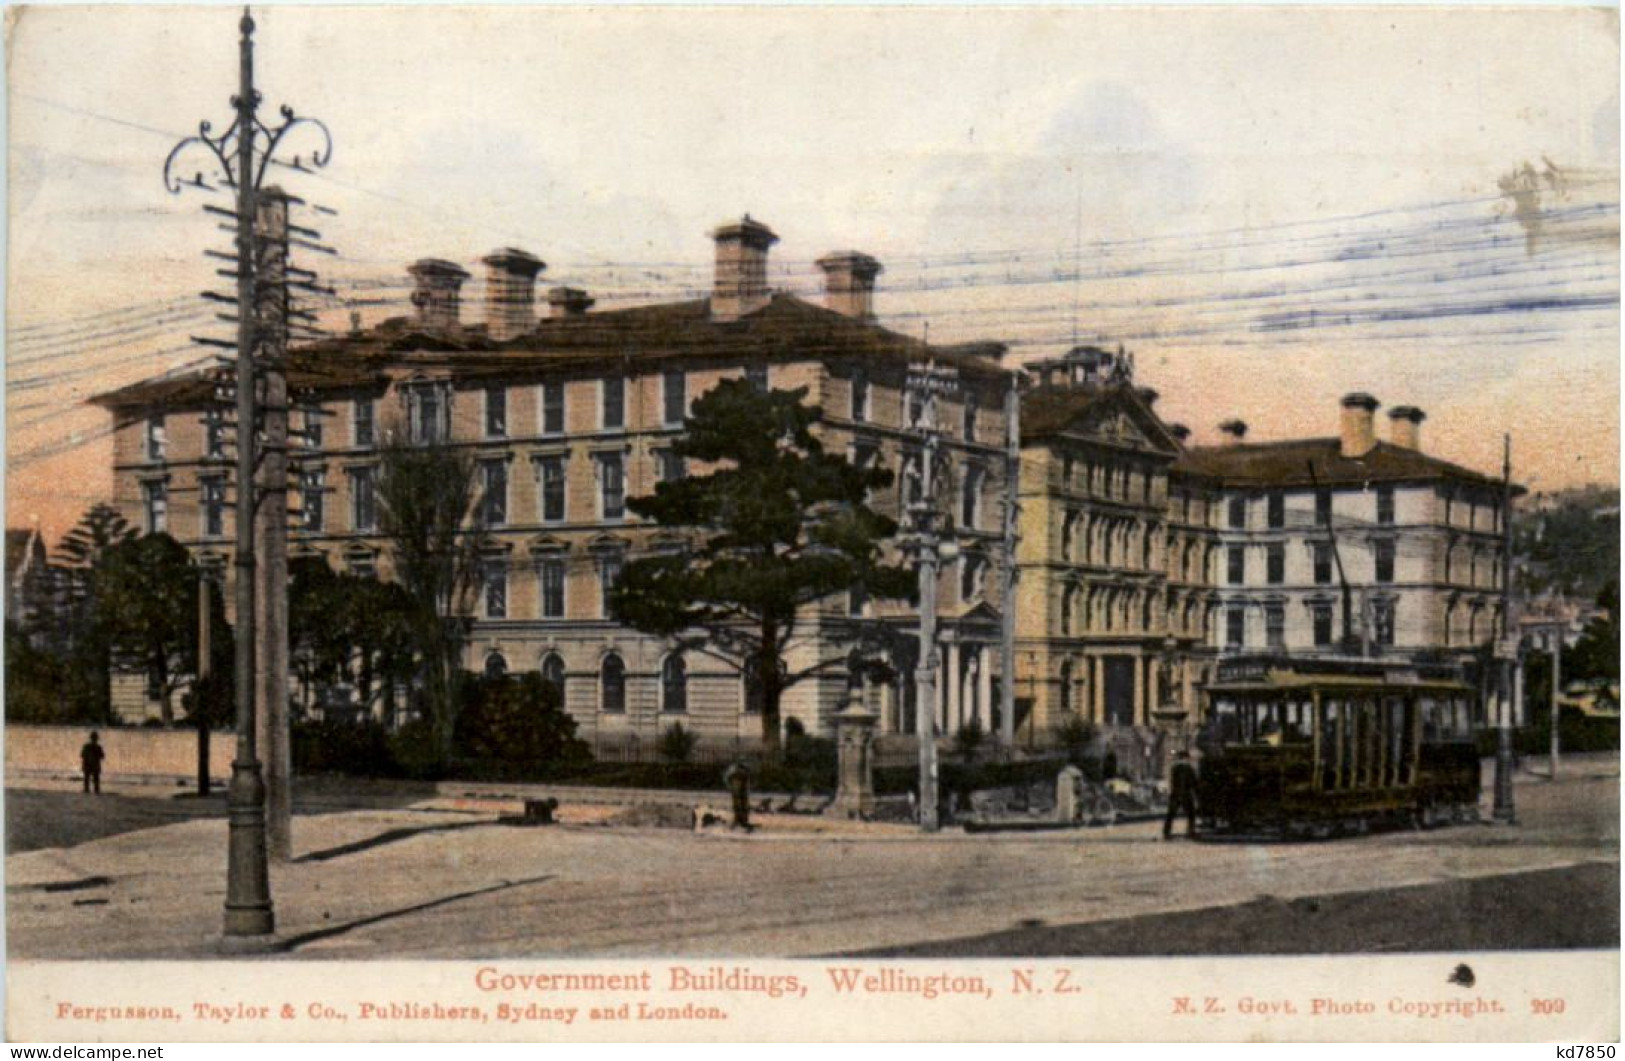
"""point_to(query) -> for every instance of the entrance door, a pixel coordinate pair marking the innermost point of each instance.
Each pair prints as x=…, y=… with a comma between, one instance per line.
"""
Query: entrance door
x=1119, y=690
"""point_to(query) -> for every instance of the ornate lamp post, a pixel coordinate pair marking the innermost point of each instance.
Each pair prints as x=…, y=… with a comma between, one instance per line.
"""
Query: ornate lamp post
x=241, y=156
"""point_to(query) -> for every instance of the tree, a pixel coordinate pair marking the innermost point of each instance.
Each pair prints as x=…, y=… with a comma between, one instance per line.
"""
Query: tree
x=777, y=526
x=348, y=628
x=145, y=593
x=79, y=554
x=427, y=495
x=1596, y=655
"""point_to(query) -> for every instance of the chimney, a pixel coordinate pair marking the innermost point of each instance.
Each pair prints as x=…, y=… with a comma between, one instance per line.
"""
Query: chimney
x=1405, y=426
x=568, y=302
x=1359, y=434
x=1148, y=395
x=740, y=285
x=1234, y=431
x=849, y=283
x=1180, y=432
x=437, y=295
x=510, y=293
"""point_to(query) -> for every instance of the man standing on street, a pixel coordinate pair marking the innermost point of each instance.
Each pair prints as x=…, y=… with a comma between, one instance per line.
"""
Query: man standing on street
x=90, y=763
x=737, y=778
x=1181, y=796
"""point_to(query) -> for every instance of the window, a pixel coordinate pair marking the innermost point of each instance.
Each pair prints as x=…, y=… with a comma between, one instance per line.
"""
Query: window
x=363, y=500
x=612, y=410
x=860, y=395
x=496, y=412
x=1235, y=626
x=1323, y=563
x=1322, y=614
x=752, y=690
x=1069, y=607
x=756, y=376
x=363, y=566
x=1238, y=513
x=553, y=676
x=916, y=408
x=1323, y=508
x=669, y=465
x=609, y=573
x=363, y=416
x=1384, y=550
x=1382, y=619
x=428, y=412
x=1385, y=504
x=1236, y=565
x=970, y=508
x=494, y=495
x=612, y=685
x=496, y=665
x=674, y=685
x=312, y=491
x=156, y=438
x=857, y=598
x=553, y=408
x=611, y=486
x=213, y=493
x=972, y=578
x=913, y=484
x=1275, y=563
x=1277, y=511
x=674, y=394
x=550, y=486
x=214, y=434
x=970, y=417
x=550, y=577
x=1275, y=625
x=495, y=578
x=1065, y=679
x=311, y=419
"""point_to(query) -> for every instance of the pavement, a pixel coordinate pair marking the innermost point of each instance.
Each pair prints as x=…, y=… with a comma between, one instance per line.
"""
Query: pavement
x=429, y=875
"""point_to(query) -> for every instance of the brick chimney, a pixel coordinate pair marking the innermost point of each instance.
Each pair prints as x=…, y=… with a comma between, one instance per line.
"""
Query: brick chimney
x=1405, y=426
x=437, y=295
x=740, y=285
x=1359, y=430
x=849, y=283
x=510, y=293
x=568, y=302
x=1232, y=432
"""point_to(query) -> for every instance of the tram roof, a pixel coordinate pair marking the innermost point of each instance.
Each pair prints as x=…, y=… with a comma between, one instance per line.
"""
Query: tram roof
x=1294, y=681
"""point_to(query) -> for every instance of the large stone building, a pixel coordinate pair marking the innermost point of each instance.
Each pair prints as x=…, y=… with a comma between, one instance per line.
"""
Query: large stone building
x=570, y=414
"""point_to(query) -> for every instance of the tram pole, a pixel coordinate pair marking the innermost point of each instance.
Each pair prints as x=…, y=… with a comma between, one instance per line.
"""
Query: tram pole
x=1505, y=811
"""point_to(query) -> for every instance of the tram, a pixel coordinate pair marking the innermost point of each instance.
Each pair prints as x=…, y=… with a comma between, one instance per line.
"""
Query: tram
x=1336, y=746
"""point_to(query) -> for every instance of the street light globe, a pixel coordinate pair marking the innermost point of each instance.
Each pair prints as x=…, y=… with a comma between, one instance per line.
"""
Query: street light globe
x=948, y=551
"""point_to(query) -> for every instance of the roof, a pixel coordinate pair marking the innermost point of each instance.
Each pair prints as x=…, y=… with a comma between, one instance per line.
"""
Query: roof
x=1047, y=411
x=672, y=331
x=1288, y=464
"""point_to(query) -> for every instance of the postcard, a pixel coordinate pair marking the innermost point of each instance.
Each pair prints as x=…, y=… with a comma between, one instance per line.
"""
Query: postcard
x=975, y=523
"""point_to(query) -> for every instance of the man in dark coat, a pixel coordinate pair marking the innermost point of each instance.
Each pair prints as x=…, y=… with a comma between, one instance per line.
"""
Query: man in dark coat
x=737, y=778
x=90, y=763
x=1181, y=795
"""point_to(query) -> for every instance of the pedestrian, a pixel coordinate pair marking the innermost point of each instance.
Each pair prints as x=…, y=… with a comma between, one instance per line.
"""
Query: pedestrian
x=1181, y=795
x=90, y=763
x=737, y=778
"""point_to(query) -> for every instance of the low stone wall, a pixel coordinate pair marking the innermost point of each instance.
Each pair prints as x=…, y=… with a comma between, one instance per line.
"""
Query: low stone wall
x=159, y=756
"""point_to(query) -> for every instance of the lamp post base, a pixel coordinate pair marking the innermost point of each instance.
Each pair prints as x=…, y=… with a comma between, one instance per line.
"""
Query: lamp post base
x=248, y=884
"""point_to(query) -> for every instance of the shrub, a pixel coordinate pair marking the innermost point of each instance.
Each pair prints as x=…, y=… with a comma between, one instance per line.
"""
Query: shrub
x=969, y=739
x=357, y=748
x=1076, y=734
x=677, y=744
x=517, y=720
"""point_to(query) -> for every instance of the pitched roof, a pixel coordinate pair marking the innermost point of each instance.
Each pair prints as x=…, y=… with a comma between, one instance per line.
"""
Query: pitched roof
x=1047, y=411
x=785, y=326
x=1287, y=464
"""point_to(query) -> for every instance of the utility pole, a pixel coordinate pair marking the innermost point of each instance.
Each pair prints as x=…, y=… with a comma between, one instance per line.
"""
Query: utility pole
x=205, y=587
x=1007, y=607
x=930, y=551
x=240, y=156
x=1505, y=811
x=1557, y=690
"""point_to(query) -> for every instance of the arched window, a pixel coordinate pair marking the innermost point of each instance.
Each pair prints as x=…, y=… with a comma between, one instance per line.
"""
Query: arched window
x=1066, y=687
x=496, y=665
x=1069, y=606
x=674, y=685
x=553, y=675
x=612, y=685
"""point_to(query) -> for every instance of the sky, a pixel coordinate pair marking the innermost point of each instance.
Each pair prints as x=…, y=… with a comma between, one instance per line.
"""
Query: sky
x=1270, y=207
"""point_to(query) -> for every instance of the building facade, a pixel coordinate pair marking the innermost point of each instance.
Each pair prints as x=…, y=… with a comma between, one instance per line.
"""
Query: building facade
x=569, y=414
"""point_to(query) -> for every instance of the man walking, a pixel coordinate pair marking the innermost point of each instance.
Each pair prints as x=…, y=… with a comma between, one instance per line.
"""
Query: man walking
x=90, y=763
x=1181, y=796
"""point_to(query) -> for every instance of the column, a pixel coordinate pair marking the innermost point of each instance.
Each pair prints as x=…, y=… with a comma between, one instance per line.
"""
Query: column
x=1097, y=689
x=955, y=681
x=1153, y=687
x=984, y=687
x=1139, y=690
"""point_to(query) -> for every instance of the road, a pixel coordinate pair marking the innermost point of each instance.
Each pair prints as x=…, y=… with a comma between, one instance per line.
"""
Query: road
x=426, y=882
